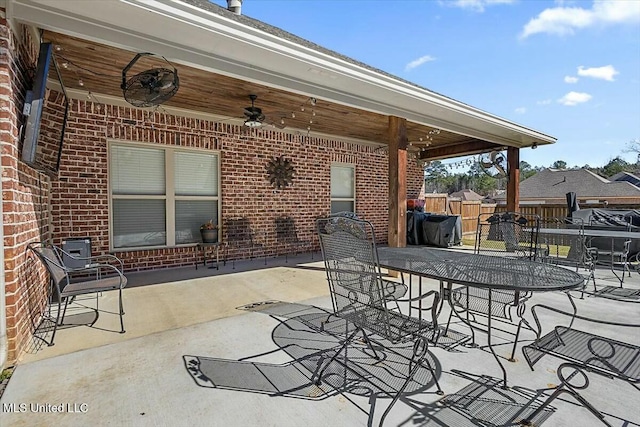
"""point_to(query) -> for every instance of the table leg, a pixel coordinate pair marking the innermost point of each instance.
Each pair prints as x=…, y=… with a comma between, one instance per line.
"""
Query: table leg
x=495, y=356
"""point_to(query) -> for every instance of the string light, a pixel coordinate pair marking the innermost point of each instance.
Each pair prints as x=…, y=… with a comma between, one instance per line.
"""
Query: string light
x=80, y=82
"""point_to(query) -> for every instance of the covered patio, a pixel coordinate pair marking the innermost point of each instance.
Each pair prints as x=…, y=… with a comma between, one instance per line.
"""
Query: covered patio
x=199, y=351
x=323, y=113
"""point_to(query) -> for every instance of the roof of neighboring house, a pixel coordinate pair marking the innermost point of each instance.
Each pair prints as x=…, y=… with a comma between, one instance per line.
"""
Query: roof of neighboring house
x=626, y=176
x=556, y=183
x=467, y=194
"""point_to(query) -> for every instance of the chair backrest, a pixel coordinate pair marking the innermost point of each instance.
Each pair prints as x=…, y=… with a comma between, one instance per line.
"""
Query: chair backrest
x=238, y=231
x=286, y=230
x=351, y=264
x=569, y=248
x=50, y=256
x=507, y=234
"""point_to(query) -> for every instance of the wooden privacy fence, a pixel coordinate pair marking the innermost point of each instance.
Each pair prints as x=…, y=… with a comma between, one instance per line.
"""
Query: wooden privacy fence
x=469, y=210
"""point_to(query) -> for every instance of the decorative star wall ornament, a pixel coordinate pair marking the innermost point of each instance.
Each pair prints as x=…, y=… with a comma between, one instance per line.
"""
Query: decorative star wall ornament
x=280, y=172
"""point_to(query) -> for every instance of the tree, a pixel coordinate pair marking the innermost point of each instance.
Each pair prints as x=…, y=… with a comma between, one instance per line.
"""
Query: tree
x=526, y=171
x=559, y=164
x=435, y=176
x=615, y=166
x=633, y=146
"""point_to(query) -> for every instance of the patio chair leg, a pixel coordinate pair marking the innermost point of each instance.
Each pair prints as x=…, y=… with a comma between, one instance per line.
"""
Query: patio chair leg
x=419, y=355
x=55, y=325
x=318, y=381
x=64, y=311
x=122, y=331
x=566, y=387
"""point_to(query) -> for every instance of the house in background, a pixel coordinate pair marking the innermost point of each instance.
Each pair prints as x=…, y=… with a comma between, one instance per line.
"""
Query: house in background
x=550, y=186
x=626, y=176
x=466, y=195
x=140, y=181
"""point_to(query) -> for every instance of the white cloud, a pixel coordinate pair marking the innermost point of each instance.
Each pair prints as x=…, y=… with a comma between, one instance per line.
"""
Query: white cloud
x=418, y=62
x=544, y=102
x=570, y=79
x=566, y=20
x=605, y=73
x=574, y=98
x=520, y=110
x=475, y=5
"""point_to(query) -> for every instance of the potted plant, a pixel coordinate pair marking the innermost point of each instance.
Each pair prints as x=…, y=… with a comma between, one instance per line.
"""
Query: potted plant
x=209, y=232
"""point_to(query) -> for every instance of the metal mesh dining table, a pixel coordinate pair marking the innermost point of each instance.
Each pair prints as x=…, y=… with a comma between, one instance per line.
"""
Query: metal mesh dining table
x=483, y=271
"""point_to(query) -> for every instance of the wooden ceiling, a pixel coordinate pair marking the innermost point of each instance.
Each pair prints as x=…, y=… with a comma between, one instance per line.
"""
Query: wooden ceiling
x=99, y=67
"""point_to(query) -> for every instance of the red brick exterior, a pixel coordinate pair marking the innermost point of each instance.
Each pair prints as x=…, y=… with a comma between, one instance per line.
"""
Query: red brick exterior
x=25, y=195
x=75, y=202
x=80, y=194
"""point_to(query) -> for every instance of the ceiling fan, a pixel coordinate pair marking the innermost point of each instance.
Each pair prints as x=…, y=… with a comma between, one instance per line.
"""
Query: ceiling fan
x=255, y=118
x=253, y=114
x=493, y=164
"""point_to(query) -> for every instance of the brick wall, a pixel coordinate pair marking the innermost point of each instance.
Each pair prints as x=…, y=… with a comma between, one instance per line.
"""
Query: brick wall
x=79, y=196
x=25, y=194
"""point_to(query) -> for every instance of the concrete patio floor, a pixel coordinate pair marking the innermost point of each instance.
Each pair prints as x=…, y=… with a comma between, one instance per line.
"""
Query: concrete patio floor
x=173, y=317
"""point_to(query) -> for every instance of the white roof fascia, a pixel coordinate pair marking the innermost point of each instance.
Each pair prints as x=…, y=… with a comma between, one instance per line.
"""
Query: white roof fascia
x=216, y=43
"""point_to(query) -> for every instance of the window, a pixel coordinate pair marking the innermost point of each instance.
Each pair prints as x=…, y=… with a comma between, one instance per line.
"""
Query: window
x=343, y=188
x=160, y=196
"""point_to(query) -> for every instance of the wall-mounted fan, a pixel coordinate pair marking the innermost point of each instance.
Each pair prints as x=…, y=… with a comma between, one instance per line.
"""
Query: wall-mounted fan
x=150, y=87
x=493, y=164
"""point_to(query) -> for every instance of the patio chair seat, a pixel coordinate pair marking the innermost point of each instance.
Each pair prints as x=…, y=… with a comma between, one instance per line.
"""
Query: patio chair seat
x=583, y=351
x=94, y=285
x=477, y=300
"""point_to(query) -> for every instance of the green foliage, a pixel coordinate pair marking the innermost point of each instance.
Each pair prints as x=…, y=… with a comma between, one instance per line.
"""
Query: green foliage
x=6, y=374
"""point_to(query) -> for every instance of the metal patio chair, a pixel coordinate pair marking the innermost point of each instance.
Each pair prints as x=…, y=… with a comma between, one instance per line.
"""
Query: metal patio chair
x=100, y=273
x=566, y=245
x=611, y=252
x=583, y=351
x=287, y=238
x=239, y=236
x=509, y=234
x=362, y=298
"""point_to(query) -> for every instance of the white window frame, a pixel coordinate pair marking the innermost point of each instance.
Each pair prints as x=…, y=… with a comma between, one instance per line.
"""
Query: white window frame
x=344, y=199
x=169, y=196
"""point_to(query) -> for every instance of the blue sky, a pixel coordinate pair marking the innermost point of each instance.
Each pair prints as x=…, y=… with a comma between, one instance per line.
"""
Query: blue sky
x=570, y=69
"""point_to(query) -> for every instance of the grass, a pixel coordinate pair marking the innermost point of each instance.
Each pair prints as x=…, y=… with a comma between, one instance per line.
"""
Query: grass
x=494, y=245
